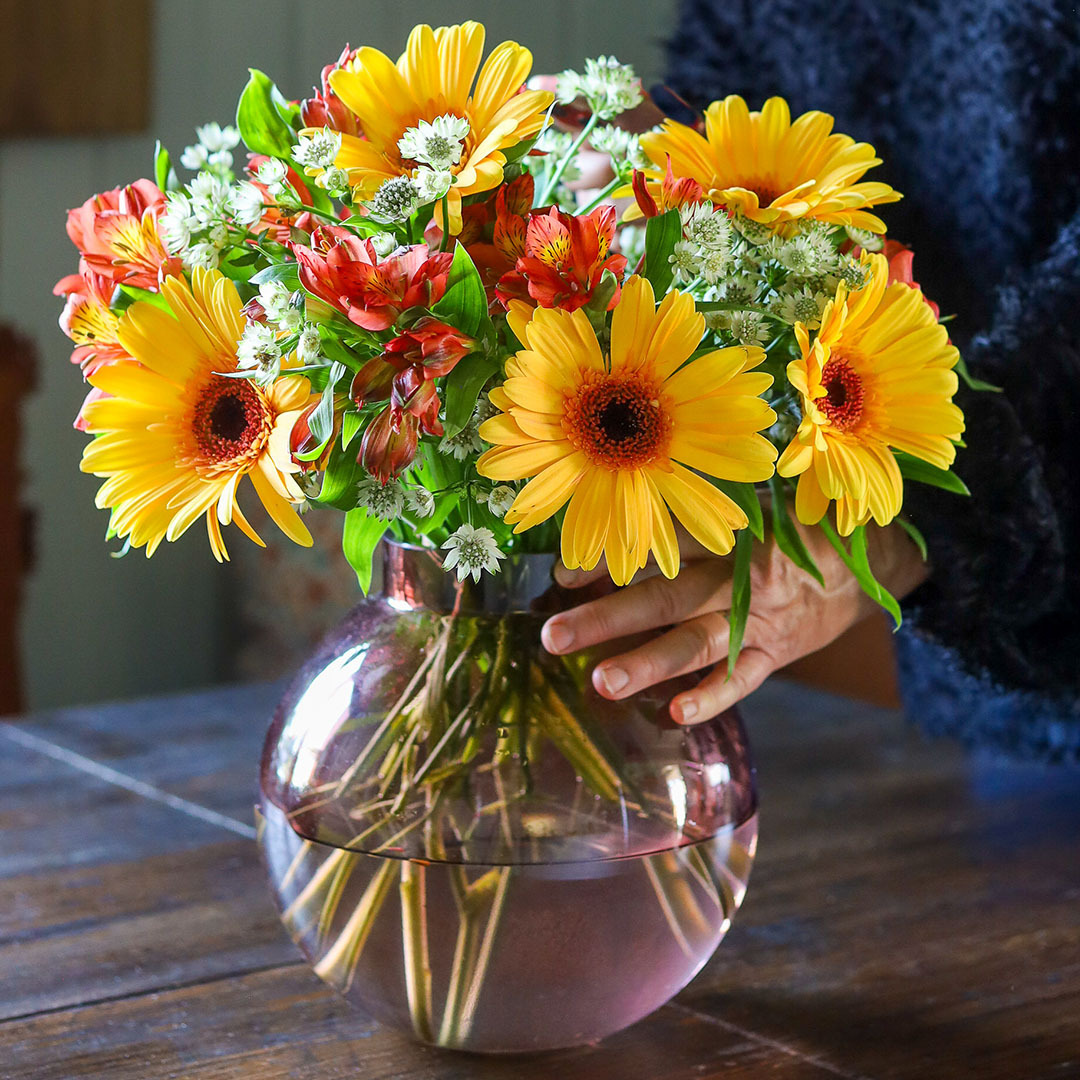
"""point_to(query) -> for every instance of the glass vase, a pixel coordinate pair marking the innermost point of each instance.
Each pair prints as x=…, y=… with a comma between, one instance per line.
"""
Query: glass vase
x=468, y=842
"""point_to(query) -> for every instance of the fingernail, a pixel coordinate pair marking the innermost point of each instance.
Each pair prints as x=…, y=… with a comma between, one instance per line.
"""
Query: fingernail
x=557, y=637
x=614, y=679
x=687, y=711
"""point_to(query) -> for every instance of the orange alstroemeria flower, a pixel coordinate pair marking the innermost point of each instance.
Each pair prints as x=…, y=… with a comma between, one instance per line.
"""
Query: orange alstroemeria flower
x=90, y=322
x=561, y=258
x=656, y=197
x=117, y=235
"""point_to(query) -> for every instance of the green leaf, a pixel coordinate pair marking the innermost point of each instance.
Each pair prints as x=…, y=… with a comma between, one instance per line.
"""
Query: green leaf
x=261, y=125
x=662, y=233
x=334, y=350
x=359, y=539
x=971, y=381
x=740, y=596
x=321, y=421
x=351, y=423
x=285, y=272
x=464, y=304
x=858, y=563
x=343, y=473
x=597, y=307
x=922, y=472
x=134, y=293
x=745, y=496
x=787, y=536
x=916, y=536
x=164, y=174
x=463, y=387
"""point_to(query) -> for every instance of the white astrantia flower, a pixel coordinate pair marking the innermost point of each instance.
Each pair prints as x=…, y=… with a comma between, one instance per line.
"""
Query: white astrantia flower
x=420, y=501
x=432, y=184
x=396, y=200
x=215, y=137
x=467, y=441
x=177, y=223
x=438, y=143
x=308, y=348
x=753, y=231
x=472, y=551
x=714, y=265
x=739, y=288
x=271, y=171
x=706, y=226
x=201, y=254
x=218, y=235
x=276, y=299
x=867, y=240
x=384, y=244
x=609, y=87
x=384, y=501
x=684, y=259
x=848, y=270
x=195, y=157
x=319, y=149
x=209, y=197
x=500, y=499
x=245, y=203
x=258, y=351
x=335, y=181
x=747, y=327
x=801, y=305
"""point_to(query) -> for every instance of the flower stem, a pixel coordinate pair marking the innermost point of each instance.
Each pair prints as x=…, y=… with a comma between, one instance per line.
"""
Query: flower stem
x=600, y=196
x=414, y=937
x=565, y=160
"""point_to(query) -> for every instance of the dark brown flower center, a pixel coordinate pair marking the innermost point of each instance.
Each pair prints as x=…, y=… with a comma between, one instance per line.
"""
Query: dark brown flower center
x=231, y=419
x=618, y=422
x=844, y=394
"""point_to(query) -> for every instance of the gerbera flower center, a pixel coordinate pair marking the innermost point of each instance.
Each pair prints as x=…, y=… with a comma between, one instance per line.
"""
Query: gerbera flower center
x=844, y=394
x=618, y=422
x=231, y=420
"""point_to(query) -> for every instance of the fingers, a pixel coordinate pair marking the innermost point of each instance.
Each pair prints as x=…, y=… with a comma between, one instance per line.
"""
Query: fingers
x=699, y=589
x=716, y=692
x=689, y=647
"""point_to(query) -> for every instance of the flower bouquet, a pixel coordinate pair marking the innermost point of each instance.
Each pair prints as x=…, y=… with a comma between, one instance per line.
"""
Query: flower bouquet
x=401, y=306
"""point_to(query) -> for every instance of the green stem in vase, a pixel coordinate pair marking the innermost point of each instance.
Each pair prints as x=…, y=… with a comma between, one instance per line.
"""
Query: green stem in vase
x=414, y=938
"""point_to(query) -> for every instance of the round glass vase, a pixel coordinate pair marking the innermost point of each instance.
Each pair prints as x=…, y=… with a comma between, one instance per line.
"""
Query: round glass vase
x=469, y=843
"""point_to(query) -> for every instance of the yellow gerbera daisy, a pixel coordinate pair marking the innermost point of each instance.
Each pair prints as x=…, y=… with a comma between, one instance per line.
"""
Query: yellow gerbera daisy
x=175, y=439
x=614, y=434
x=433, y=78
x=772, y=170
x=877, y=375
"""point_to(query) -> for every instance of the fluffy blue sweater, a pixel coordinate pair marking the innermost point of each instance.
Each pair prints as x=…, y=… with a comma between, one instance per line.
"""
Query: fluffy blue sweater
x=973, y=105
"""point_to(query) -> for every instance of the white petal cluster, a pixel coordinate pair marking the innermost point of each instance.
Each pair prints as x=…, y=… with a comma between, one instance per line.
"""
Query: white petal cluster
x=210, y=196
x=623, y=147
x=467, y=441
x=746, y=327
x=259, y=353
x=438, y=144
x=810, y=254
x=318, y=151
x=384, y=501
x=705, y=251
x=277, y=302
x=309, y=346
x=432, y=184
x=213, y=151
x=245, y=202
x=178, y=223
x=801, y=304
x=500, y=499
x=420, y=501
x=472, y=551
x=609, y=87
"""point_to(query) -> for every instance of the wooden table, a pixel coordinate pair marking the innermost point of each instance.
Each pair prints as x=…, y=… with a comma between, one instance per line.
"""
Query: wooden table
x=914, y=912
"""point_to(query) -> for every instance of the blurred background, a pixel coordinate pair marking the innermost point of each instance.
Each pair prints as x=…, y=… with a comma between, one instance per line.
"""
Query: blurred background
x=85, y=88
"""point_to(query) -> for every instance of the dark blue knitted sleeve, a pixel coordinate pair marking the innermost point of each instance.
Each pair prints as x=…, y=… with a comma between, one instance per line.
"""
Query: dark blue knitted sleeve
x=972, y=104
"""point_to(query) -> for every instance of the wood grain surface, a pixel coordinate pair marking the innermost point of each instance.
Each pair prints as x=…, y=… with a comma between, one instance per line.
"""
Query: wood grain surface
x=914, y=913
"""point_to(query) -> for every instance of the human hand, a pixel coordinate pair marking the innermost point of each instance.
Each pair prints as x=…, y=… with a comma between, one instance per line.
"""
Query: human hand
x=791, y=615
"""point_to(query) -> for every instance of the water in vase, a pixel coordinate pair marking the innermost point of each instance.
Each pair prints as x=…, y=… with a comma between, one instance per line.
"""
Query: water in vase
x=470, y=955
